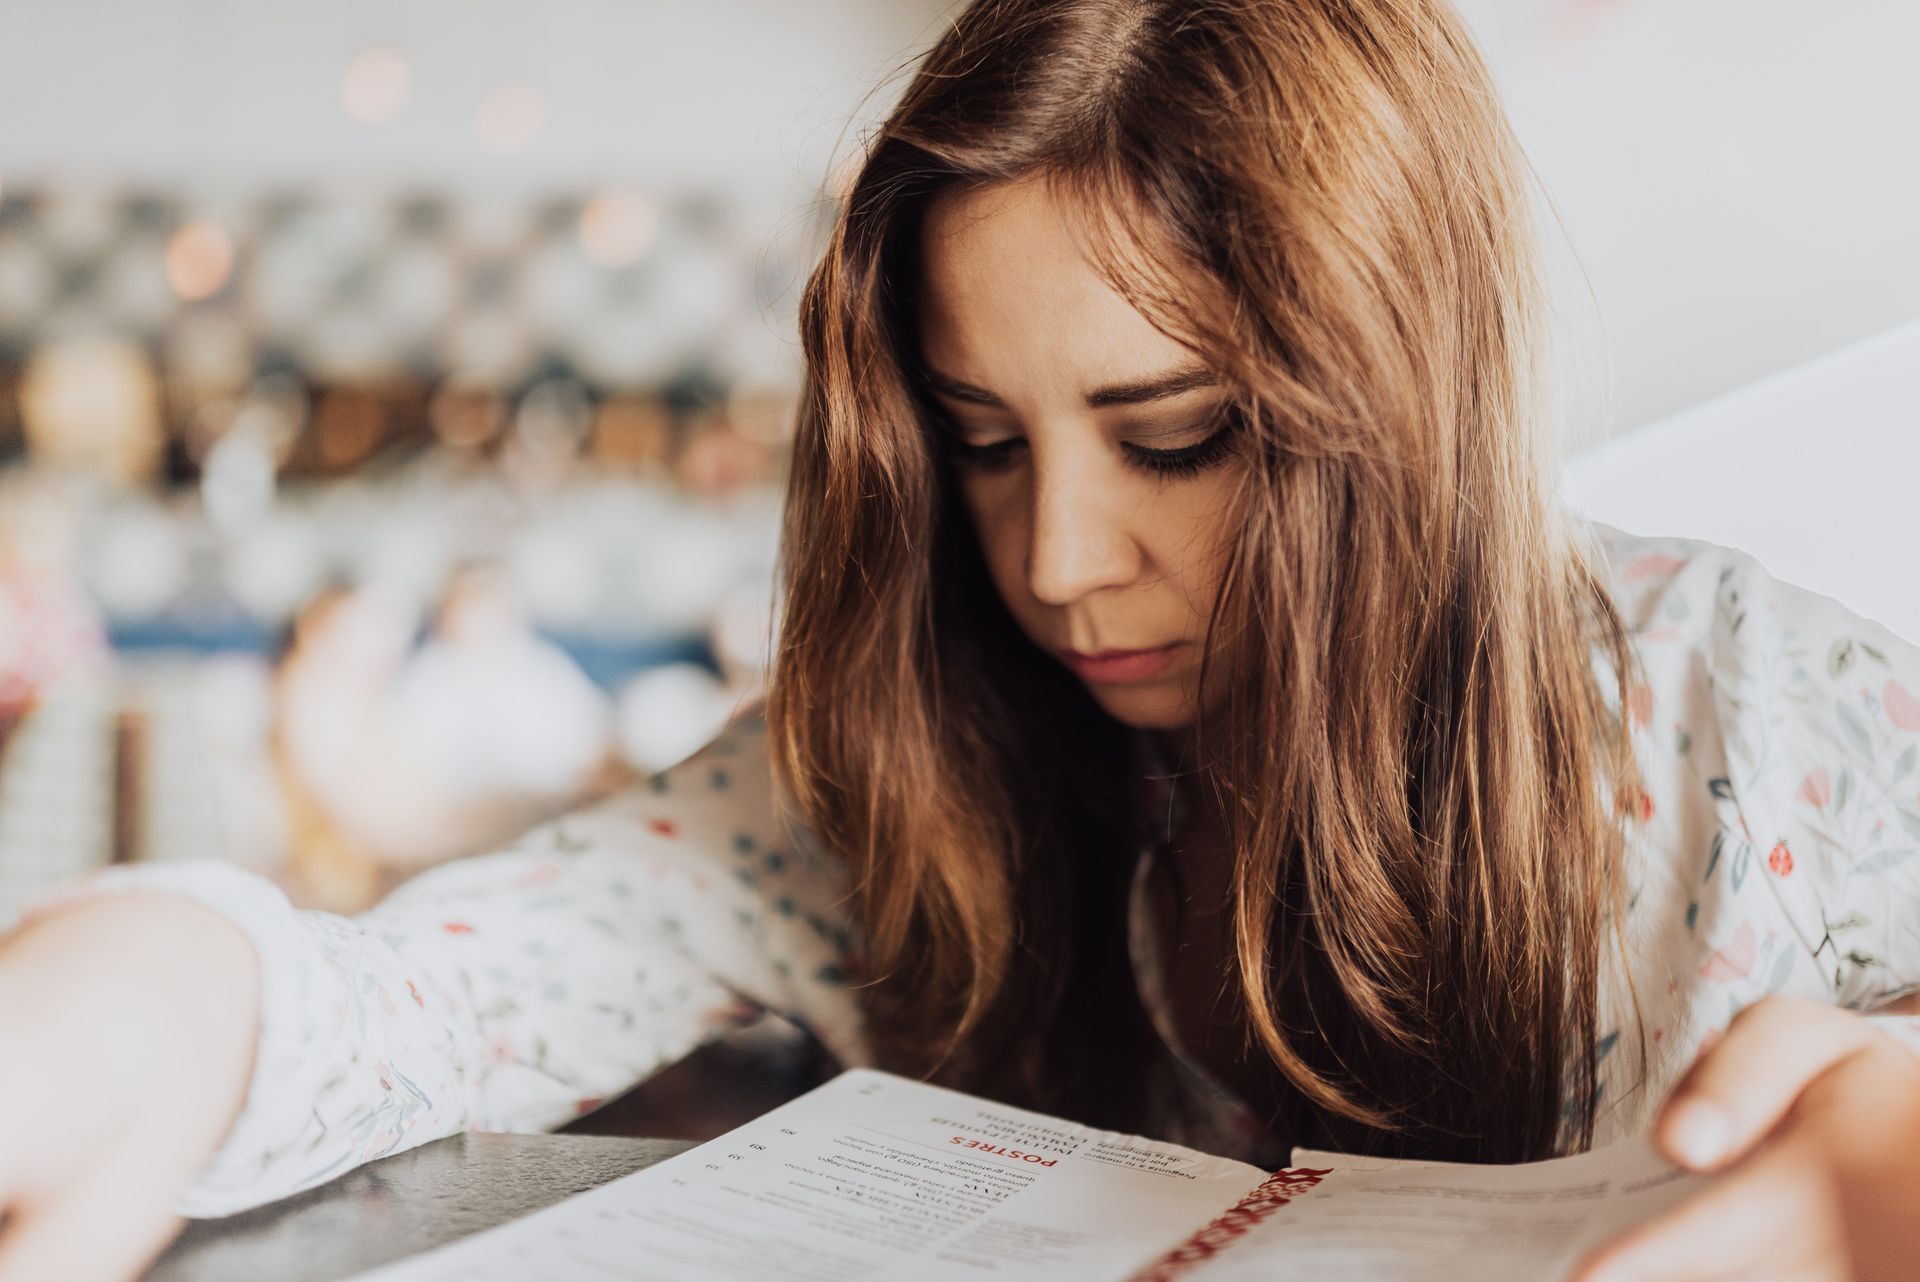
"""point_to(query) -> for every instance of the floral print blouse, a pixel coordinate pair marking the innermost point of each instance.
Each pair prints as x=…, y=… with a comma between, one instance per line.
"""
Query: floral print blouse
x=1776, y=849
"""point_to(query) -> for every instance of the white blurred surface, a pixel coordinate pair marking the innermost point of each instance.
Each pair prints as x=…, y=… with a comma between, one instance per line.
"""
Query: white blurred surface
x=1815, y=470
x=746, y=96
x=1738, y=178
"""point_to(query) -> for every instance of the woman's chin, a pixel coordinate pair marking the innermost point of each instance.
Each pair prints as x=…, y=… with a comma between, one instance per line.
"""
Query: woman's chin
x=1147, y=705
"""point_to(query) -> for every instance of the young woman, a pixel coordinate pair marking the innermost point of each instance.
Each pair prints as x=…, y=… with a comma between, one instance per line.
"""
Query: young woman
x=1191, y=717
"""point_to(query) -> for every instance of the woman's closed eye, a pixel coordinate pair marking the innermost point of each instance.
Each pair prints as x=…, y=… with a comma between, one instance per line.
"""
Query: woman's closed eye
x=1182, y=460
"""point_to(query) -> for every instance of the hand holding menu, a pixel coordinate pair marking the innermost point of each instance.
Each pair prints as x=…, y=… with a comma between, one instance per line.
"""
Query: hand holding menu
x=877, y=1176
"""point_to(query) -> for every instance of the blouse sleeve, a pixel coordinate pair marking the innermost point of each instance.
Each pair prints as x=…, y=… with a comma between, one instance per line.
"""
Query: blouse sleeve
x=1820, y=713
x=516, y=990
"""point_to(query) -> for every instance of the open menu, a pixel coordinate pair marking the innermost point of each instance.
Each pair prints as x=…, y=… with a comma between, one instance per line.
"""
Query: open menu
x=876, y=1176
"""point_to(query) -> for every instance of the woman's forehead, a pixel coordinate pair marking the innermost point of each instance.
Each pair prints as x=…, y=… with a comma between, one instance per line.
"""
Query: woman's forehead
x=1010, y=294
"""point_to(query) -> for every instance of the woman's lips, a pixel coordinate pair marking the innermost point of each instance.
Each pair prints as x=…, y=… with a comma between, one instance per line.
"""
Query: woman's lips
x=1120, y=667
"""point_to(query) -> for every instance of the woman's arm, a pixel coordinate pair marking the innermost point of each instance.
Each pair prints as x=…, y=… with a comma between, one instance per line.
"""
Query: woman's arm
x=516, y=990
x=116, y=1080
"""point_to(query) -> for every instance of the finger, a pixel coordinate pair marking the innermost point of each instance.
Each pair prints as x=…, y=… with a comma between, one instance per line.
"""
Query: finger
x=106, y=1231
x=1739, y=1090
x=1772, y=1219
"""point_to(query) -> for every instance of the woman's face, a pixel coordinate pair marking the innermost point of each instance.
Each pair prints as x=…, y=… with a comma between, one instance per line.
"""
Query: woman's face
x=1092, y=450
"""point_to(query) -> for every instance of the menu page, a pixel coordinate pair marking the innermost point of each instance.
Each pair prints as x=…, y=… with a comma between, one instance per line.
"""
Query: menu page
x=1338, y=1218
x=868, y=1176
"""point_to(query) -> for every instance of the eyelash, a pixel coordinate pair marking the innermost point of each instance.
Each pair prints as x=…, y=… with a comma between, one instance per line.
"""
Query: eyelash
x=1188, y=460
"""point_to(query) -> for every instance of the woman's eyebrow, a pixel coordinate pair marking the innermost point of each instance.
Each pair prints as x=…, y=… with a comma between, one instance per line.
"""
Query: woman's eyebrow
x=1158, y=388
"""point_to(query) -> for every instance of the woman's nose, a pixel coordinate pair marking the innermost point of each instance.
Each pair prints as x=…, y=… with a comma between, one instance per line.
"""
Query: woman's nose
x=1079, y=542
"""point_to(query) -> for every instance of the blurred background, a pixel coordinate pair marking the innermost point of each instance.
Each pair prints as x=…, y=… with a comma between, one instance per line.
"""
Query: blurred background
x=394, y=397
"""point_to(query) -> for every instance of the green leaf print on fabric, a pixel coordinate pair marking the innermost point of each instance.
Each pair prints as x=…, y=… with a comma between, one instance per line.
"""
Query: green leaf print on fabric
x=1782, y=970
x=565, y=842
x=1882, y=860
x=1856, y=729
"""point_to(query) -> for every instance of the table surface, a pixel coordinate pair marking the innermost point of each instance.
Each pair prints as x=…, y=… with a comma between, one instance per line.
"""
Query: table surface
x=402, y=1205
x=448, y=1188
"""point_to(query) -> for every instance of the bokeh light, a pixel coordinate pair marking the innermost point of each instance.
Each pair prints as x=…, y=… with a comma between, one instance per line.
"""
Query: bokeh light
x=376, y=85
x=617, y=228
x=510, y=118
x=199, y=261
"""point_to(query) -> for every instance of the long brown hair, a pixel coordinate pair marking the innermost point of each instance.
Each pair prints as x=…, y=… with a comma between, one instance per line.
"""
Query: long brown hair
x=1420, y=751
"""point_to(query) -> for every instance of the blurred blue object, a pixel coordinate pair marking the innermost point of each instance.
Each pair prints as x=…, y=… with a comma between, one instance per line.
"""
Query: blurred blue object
x=610, y=662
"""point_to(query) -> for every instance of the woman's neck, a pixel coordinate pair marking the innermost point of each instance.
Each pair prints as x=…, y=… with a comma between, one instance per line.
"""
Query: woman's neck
x=1191, y=827
x=1177, y=746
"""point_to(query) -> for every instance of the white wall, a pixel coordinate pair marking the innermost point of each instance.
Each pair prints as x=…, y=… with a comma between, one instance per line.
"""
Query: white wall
x=1739, y=178
x=746, y=95
x=1843, y=429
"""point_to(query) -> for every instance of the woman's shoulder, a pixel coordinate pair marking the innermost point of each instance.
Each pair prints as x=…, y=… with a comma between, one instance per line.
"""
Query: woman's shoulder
x=1742, y=625
x=1661, y=583
x=726, y=797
